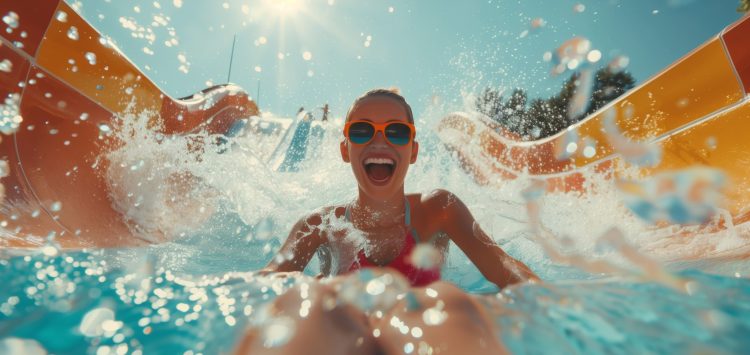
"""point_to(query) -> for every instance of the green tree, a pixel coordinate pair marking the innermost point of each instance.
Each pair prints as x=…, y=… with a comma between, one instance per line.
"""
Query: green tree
x=490, y=103
x=541, y=118
x=609, y=85
x=514, y=112
x=744, y=6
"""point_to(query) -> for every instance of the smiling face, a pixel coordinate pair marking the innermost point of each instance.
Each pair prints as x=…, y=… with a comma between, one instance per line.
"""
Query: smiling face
x=380, y=167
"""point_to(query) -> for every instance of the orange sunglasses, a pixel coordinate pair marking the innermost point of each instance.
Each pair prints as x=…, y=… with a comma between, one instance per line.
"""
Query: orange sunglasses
x=396, y=133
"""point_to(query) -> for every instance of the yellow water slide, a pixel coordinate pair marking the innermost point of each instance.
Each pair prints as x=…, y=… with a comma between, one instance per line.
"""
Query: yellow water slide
x=697, y=110
x=63, y=86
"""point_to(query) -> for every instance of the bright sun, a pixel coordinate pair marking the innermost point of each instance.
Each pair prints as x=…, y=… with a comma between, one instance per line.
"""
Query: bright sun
x=284, y=8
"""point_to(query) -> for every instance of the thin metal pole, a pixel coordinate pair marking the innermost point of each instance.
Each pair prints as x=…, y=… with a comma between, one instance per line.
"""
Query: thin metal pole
x=231, y=58
x=257, y=97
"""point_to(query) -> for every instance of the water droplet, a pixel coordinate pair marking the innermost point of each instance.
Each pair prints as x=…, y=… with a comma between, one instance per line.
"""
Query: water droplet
x=711, y=142
x=61, y=16
x=92, y=322
x=11, y=19
x=84, y=116
x=56, y=206
x=594, y=56
x=571, y=147
x=375, y=287
x=6, y=66
x=104, y=128
x=10, y=117
x=538, y=23
x=49, y=250
x=589, y=152
x=13, y=345
x=434, y=316
x=73, y=33
x=425, y=256
x=277, y=332
x=91, y=57
x=4, y=168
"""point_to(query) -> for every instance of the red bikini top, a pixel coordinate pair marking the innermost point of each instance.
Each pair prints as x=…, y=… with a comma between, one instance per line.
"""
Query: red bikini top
x=416, y=276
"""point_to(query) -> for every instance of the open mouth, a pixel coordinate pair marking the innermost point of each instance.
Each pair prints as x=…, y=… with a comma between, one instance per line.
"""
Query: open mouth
x=380, y=170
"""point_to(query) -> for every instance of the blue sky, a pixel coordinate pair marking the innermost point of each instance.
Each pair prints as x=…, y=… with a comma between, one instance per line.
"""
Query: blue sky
x=309, y=52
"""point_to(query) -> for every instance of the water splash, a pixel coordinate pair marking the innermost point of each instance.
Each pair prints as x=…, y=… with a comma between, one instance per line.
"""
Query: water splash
x=643, y=154
x=687, y=196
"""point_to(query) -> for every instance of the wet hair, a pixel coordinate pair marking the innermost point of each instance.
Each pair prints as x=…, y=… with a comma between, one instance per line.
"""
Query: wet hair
x=392, y=93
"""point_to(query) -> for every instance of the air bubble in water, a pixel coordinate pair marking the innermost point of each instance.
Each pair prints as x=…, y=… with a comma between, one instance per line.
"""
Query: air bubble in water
x=91, y=57
x=73, y=33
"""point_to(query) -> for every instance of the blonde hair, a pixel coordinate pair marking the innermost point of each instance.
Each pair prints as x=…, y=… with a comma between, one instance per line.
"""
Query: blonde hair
x=392, y=93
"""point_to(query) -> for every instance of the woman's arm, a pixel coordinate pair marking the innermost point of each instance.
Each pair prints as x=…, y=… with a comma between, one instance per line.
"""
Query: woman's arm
x=497, y=266
x=300, y=246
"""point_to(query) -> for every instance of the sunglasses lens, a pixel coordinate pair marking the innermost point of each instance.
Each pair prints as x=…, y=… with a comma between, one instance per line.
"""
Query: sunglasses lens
x=361, y=132
x=398, y=133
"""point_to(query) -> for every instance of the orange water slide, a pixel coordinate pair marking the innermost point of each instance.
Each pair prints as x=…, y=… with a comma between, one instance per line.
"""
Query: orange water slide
x=69, y=83
x=697, y=110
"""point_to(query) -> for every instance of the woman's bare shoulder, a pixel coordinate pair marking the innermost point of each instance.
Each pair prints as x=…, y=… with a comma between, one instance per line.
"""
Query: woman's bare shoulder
x=438, y=198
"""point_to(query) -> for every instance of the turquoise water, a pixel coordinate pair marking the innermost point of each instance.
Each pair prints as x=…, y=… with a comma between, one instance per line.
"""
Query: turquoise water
x=139, y=300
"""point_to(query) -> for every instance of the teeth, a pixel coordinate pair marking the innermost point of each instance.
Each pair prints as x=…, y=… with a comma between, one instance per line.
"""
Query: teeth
x=379, y=161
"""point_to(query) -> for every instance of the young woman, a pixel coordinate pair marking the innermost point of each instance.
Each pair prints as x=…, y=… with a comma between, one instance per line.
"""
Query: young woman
x=401, y=239
x=379, y=144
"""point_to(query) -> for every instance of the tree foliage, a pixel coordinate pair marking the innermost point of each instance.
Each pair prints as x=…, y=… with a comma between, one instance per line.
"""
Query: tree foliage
x=541, y=118
x=744, y=6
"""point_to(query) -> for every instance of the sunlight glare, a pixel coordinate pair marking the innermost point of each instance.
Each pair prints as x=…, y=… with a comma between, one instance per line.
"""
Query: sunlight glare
x=284, y=8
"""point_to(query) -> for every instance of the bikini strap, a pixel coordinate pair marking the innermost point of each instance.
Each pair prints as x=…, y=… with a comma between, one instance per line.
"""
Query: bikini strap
x=347, y=213
x=407, y=220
